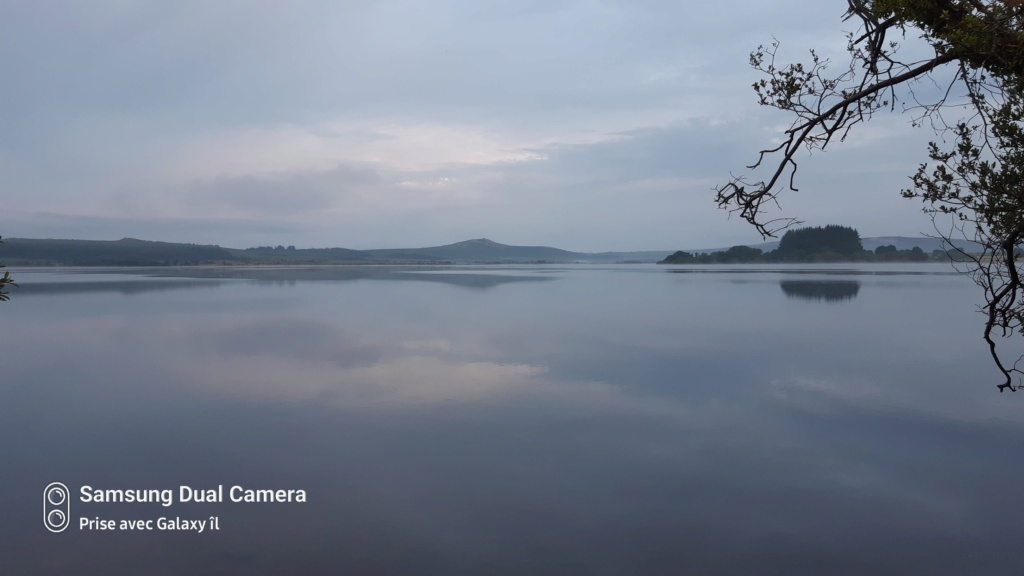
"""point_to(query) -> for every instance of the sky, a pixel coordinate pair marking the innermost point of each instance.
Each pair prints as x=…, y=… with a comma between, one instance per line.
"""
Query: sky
x=586, y=125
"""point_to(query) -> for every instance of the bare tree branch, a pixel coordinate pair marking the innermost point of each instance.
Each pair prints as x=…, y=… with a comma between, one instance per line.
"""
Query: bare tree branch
x=979, y=182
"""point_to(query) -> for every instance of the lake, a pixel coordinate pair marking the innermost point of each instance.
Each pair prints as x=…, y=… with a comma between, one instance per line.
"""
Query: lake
x=630, y=419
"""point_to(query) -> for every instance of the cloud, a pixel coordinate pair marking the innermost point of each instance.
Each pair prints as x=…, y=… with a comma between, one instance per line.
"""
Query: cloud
x=279, y=195
x=597, y=126
x=18, y=224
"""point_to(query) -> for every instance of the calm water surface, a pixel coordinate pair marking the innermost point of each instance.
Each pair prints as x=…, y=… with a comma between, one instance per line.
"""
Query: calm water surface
x=513, y=420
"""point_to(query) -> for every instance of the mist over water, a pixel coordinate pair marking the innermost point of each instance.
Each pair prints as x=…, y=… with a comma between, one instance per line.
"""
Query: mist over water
x=510, y=420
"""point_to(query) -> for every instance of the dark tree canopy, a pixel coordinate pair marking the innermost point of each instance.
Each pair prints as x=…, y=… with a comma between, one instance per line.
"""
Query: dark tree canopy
x=832, y=243
x=832, y=238
x=5, y=281
x=975, y=188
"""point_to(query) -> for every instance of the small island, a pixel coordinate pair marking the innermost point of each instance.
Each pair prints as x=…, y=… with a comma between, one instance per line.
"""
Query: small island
x=832, y=243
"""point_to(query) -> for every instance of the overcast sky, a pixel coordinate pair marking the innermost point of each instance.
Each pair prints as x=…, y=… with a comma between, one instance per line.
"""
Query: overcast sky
x=588, y=126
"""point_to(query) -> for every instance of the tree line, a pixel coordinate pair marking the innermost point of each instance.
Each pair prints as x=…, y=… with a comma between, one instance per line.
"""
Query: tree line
x=832, y=243
x=5, y=281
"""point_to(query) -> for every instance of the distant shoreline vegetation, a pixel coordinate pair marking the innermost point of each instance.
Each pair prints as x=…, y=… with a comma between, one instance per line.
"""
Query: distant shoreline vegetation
x=829, y=244
x=134, y=252
x=832, y=243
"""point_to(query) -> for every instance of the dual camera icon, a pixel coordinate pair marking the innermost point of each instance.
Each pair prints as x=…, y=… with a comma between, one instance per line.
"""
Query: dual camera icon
x=56, y=507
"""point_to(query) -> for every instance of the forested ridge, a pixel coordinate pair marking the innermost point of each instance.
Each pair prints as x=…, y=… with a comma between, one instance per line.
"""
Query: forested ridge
x=124, y=252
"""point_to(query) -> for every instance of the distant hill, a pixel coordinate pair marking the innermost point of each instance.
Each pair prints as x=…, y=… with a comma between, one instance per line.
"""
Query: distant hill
x=132, y=252
x=484, y=250
x=124, y=252
x=481, y=250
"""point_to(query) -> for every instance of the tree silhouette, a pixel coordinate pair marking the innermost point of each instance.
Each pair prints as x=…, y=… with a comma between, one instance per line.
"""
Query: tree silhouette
x=978, y=182
x=5, y=281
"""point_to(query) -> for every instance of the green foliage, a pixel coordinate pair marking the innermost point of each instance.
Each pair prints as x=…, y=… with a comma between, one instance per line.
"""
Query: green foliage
x=741, y=254
x=983, y=35
x=5, y=281
x=977, y=183
x=293, y=255
x=125, y=252
x=832, y=243
x=818, y=240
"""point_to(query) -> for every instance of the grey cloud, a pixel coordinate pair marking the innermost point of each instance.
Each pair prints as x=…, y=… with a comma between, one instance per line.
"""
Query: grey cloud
x=647, y=189
x=653, y=189
x=253, y=195
x=243, y=233
x=692, y=149
x=100, y=99
x=227, y=64
x=282, y=195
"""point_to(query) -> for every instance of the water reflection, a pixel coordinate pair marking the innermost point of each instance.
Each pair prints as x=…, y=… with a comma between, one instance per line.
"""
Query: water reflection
x=438, y=274
x=125, y=287
x=38, y=283
x=831, y=291
x=608, y=423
